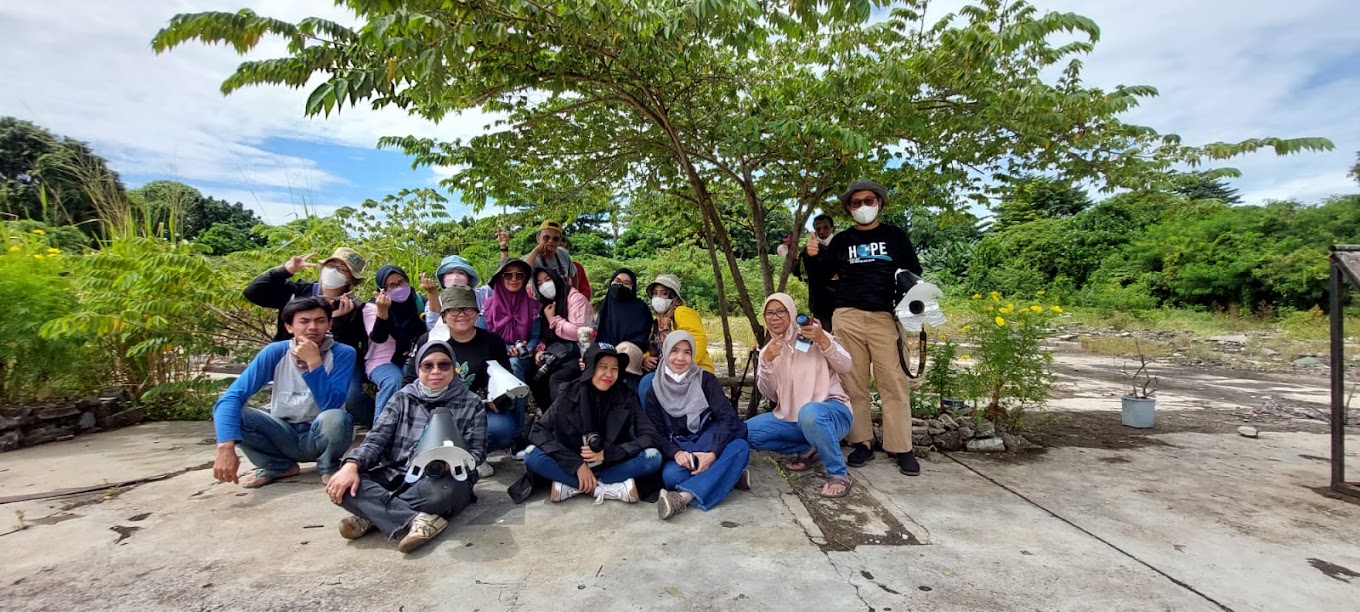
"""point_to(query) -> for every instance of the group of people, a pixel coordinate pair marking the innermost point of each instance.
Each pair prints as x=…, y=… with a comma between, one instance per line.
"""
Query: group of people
x=625, y=400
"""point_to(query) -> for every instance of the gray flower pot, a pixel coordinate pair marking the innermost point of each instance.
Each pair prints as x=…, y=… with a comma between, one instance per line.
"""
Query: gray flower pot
x=1138, y=412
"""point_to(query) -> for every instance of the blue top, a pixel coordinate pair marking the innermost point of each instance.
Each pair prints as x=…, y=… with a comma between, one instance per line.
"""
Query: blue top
x=328, y=388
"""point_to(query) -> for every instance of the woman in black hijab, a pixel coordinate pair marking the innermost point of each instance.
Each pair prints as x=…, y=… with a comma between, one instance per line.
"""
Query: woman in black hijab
x=623, y=317
x=594, y=439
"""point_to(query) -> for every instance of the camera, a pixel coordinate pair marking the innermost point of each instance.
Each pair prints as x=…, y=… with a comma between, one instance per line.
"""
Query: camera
x=549, y=358
x=804, y=343
x=596, y=444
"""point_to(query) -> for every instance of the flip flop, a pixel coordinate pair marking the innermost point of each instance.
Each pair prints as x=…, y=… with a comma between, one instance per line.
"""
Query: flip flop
x=262, y=477
x=837, y=481
x=801, y=463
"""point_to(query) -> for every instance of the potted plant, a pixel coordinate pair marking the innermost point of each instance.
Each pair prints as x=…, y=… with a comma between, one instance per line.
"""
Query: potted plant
x=1139, y=408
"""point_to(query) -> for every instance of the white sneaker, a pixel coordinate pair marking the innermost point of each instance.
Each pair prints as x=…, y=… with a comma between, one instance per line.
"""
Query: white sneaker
x=562, y=492
x=625, y=491
x=485, y=471
x=523, y=453
x=423, y=529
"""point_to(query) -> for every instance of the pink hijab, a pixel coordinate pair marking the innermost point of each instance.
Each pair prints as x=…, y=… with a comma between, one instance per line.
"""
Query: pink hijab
x=511, y=314
x=797, y=378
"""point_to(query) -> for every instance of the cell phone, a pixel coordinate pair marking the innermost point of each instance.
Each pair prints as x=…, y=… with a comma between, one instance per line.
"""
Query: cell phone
x=693, y=462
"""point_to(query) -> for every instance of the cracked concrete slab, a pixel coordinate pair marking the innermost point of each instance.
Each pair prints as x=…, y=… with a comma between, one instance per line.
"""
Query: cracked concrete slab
x=1195, y=518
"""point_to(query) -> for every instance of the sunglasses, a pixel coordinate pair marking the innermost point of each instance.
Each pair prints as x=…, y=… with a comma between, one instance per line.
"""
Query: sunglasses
x=856, y=204
x=442, y=366
x=552, y=239
x=515, y=275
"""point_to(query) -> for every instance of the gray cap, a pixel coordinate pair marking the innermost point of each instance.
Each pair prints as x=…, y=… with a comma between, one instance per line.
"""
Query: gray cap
x=863, y=185
x=669, y=281
x=457, y=296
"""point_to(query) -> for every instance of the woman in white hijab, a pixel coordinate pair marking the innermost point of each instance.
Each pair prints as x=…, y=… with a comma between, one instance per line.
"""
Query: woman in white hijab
x=702, y=439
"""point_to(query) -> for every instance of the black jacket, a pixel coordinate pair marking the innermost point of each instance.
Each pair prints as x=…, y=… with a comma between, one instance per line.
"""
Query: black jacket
x=560, y=431
x=273, y=289
x=720, y=416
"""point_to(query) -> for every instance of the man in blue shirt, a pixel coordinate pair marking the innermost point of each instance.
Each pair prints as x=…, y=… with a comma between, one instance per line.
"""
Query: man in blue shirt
x=306, y=420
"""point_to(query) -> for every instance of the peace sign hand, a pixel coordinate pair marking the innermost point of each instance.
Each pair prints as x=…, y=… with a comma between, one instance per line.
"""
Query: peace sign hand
x=298, y=262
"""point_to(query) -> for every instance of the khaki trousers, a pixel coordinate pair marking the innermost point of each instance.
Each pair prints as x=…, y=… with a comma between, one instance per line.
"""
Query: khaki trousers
x=871, y=339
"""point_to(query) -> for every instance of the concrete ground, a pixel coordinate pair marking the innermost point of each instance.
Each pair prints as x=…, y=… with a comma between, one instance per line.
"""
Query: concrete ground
x=1176, y=518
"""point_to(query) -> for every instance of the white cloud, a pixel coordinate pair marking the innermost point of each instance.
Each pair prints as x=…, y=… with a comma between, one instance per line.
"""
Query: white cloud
x=1227, y=70
x=89, y=72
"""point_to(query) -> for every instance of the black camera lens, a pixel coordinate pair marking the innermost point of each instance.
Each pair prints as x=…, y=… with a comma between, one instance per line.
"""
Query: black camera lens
x=595, y=442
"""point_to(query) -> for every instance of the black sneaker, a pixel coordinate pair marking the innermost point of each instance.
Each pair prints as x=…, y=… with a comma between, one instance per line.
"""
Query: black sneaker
x=861, y=455
x=906, y=463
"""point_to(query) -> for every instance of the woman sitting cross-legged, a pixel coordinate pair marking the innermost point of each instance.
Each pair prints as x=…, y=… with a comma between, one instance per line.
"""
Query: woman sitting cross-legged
x=374, y=469
x=594, y=439
x=699, y=432
x=811, y=413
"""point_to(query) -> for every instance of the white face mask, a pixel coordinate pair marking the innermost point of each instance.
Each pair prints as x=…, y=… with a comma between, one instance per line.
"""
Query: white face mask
x=865, y=215
x=548, y=290
x=824, y=241
x=457, y=278
x=333, y=279
x=661, y=304
x=676, y=377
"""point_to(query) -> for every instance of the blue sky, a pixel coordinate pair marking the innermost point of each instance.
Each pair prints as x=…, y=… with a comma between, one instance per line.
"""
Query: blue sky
x=1227, y=70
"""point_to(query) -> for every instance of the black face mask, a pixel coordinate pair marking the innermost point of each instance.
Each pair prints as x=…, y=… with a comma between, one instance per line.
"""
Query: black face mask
x=621, y=294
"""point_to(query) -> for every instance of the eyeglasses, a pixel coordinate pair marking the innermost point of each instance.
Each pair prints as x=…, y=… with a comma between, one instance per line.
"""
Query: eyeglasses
x=869, y=201
x=557, y=238
x=464, y=313
x=514, y=275
x=396, y=285
x=624, y=282
x=776, y=314
x=442, y=366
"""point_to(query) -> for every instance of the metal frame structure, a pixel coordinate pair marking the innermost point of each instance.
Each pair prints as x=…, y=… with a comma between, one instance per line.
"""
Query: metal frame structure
x=1345, y=267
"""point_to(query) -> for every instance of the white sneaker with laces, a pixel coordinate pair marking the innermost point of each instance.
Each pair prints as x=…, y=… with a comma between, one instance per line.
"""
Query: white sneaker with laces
x=520, y=455
x=625, y=491
x=562, y=492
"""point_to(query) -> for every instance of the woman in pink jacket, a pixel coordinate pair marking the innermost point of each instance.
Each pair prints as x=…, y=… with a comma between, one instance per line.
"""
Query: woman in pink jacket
x=565, y=311
x=812, y=411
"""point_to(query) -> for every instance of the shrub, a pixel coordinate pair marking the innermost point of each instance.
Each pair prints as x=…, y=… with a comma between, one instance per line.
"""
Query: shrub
x=1012, y=368
x=35, y=286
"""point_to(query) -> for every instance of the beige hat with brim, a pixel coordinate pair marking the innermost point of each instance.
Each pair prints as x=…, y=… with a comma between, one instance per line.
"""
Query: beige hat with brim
x=352, y=259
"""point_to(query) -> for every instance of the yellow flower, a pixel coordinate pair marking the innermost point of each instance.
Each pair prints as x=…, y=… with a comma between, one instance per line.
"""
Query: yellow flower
x=943, y=337
x=1007, y=309
x=53, y=251
x=1055, y=308
x=39, y=232
x=15, y=249
x=965, y=328
x=38, y=256
x=1000, y=322
x=989, y=309
x=996, y=296
x=1039, y=292
x=965, y=356
x=977, y=296
x=1036, y=308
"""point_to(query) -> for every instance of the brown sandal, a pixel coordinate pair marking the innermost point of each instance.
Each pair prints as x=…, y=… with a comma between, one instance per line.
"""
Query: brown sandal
x=801, y=463
x=837, y=481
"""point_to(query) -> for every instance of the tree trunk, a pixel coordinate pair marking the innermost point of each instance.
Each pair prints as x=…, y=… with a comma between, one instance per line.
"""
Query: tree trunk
x=722, y=297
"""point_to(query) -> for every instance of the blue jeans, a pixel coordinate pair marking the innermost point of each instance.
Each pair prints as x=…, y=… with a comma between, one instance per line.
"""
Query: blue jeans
x=820, y=425
x=712, y=485
x=646, y=462
x=277, y=445
x=357, y=403
x=500, y=430
x=388, y=378
x=645, y=386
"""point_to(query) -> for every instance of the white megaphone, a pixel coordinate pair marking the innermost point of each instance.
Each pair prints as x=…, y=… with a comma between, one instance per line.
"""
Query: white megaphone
x=500, y=383
x=441, y=448
x=920, y=303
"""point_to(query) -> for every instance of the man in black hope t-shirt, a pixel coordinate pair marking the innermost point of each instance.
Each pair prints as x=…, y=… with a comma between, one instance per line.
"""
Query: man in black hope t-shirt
x=861, y=267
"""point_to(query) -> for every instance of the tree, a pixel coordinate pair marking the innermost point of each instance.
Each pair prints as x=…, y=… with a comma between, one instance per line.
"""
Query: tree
x=1202, y=186
x=1030, y=198
x=1355, y=170
x=48, y=178
x=603, y=97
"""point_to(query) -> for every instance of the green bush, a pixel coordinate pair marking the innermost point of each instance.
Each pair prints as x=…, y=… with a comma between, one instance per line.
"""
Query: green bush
x=35, y=286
